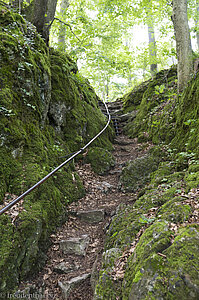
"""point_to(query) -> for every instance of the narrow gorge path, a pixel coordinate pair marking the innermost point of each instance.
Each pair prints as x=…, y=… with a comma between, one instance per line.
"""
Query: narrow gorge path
x=74, y=258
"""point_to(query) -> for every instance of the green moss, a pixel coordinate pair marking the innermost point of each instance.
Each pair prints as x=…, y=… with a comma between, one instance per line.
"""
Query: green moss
x=153, y=103
x=101, y=160
x=137, y=172
x=174, y=211
x=124, y=228
x=186, y=129
x=193, y=168
x=161, y=175
x=155, y=239
x=182, y=264
x=112, y=290
x=166, y=174
x=192, y=180
x=138, y=276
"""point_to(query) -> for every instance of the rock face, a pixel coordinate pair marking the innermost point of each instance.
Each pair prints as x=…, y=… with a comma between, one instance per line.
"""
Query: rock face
x=46, y=111
x=152, y=107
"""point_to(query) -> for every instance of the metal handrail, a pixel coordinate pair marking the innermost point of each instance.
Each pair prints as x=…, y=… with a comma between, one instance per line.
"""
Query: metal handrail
x=12, y=203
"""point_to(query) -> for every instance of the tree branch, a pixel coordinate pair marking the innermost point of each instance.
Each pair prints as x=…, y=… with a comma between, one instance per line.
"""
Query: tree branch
x=64, y=24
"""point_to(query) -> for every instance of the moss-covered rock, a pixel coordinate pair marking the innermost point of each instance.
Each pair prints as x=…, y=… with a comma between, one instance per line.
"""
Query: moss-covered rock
x=192, y=180
x=155, y=117
x=136, y=173
x=155, y=239
x=101, y=160
x=174, y=211
x=171, y=277
x=149, y=232
x=186, y=137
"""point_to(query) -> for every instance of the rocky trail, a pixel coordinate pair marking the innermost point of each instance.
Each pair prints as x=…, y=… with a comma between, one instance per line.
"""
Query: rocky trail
x=75, y=255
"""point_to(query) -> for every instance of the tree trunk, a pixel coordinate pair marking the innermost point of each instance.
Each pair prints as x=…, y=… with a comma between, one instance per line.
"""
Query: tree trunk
x=41, y=13
x=62, y=29
x=16, y=4
x=40, y=9
x=51, y=9
x=197, y=22
x=183, y=43
x=152, y=43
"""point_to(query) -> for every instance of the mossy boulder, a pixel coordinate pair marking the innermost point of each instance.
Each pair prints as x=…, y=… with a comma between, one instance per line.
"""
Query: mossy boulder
x=136, y=173
x=123, y=229
x=101, y=160
x=133, y=99
x=191, y=177
x=174, y=211
x=192, y=180
x=155, y=239
x=172, y=276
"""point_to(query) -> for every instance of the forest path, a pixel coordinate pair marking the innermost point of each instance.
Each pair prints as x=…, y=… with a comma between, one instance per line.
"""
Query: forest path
x=77, y=247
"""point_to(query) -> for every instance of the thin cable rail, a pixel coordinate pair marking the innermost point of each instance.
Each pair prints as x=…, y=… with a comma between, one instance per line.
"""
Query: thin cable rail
x=12, y=203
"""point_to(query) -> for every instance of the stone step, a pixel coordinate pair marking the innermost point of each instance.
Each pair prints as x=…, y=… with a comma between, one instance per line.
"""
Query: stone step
x=115, y=104
x=67, y=286
x=77, y=246
x=66, y=267
x=123, y=142
x=91, y=216
x=115, y=172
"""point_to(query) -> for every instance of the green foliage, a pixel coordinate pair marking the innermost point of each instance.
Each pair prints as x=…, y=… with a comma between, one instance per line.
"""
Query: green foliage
x=100, y=35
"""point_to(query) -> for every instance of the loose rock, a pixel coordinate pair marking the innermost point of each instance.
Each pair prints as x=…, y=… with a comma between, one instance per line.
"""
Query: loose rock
x=65, y=267
x=67, y=287
x=91, y=216
x=76, y=246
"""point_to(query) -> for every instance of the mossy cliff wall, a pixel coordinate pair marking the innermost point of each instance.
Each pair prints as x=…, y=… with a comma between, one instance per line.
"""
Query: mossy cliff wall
x=151, y=249
x=47, y=110
x=153, y=103
x=163, y=116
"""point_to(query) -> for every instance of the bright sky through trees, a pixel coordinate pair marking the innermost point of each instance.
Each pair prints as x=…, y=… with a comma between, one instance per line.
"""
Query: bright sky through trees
x=109, y=40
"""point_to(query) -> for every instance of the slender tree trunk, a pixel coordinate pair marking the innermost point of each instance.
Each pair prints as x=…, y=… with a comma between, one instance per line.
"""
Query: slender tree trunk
x=62, y=30
x=152, y=43
x=183, y=43
x=107, y=88
x=17, y=4
x=51, y=9
x=130, y=77
x=197, y=22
